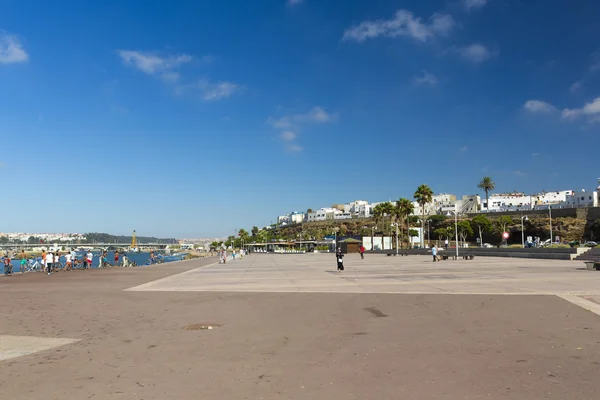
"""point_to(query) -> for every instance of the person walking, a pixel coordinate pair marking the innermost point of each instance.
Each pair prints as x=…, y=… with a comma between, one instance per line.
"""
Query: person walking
x=434, y=252
x=49, y=261
x=68, y=262
x=89, y=258
x=116, y=258
x=43, y=260
x=340, y=260
x=7, y=265
x=362, y=252
x=446, y=244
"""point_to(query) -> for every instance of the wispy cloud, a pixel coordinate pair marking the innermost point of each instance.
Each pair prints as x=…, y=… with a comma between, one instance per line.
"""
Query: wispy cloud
x=469, y=4
x=404, y=23
x=595, y=63
x=212, y=91
x=288, y=136
x=11, y=50
x=316, y=114
x=165, y=67
x=535, y=155
x=426, y=79
x=291, y=124
x=590, y=111
x=519, y=173
x=463, y=149
x=292, y=3
x=539, y=107
x=153, y=63
x=477, y=53
x=576, y=86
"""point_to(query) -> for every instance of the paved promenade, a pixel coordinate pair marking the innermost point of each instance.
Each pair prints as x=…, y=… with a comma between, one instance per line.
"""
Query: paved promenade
x=290, y=327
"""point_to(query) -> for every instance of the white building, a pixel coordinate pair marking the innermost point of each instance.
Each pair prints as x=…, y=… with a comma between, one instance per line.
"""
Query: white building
x=293, y=218
x=580, y=199
x=440, y=204
x=551, y=197
x=358, y=208
x=508, y=202
x=323, y=214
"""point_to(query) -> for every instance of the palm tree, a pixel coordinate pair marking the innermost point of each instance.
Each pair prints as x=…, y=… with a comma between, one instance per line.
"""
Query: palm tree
x=423, y=196
x=404, y=207
x=487, y=185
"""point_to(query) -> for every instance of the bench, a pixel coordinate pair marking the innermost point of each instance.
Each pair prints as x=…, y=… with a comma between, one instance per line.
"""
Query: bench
x=592, y=265
x=444, y=257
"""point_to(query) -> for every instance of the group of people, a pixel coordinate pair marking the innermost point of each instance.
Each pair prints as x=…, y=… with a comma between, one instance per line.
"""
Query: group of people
x=223, y=255
x=50, y=261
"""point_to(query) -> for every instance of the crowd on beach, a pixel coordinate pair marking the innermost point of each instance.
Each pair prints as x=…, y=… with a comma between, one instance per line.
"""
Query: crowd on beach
x=50, y=261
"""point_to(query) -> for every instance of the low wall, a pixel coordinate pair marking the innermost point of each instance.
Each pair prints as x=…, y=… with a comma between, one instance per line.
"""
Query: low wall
x=548, y=254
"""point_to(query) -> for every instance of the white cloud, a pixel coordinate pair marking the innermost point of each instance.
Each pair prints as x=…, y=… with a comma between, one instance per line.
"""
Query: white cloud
x=535, y=154
x=280, y=123
x=595, y=66
x=288, y=136
x=170, y=77
x=11, y=50
x=590, y=110
x=152, y=63
x=216, y=91
x=538, y=107
x=463, y=149
x=426, y=79
x=519, y=173
x=317, y=114
x=469, y=4
x=404, y=23
x=576, y=86
x=290, y=123
x=476, y=53
x=292, y=3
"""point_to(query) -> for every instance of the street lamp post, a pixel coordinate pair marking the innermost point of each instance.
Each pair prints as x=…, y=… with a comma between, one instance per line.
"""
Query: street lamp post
x=523, y=218
x=550, y=213
x=455, y=227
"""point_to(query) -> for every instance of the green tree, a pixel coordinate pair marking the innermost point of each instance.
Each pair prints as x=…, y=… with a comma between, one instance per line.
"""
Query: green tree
x=243, y=234
x=423, y=195
x=404, y=207
x=487, y=185
x=464, y=230
x=254, y=231
x=482, y=224
x=503, y=222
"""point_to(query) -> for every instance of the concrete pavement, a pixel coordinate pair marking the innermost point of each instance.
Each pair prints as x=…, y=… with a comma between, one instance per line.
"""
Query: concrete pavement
x=315, y=334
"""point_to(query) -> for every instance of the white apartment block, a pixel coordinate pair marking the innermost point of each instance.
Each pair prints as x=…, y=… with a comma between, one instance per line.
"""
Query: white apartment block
x=292, y=218
x=508, y=202
x=323, y=214
x=581, y=199
x=358, y=208
x=551, y=197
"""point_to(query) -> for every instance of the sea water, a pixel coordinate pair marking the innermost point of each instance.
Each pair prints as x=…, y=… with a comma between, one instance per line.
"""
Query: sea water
x=141, y=258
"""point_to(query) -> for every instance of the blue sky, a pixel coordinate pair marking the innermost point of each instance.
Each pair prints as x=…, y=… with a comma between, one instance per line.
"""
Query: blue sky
x=193, y=119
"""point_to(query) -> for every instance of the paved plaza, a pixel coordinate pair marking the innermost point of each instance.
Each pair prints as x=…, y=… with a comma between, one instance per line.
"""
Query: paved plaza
x=290, y=327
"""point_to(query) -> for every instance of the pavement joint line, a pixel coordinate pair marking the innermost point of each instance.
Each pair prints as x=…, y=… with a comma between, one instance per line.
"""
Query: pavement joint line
x=583, y=303
x=150, y=284
x=294, y=290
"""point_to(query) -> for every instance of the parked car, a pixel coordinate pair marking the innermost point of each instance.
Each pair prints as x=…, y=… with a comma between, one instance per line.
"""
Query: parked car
x=590, y=244
x=487, y=245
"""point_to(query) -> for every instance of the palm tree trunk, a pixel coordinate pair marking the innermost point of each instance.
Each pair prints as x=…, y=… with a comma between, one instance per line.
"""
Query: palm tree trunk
x=487, y=200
